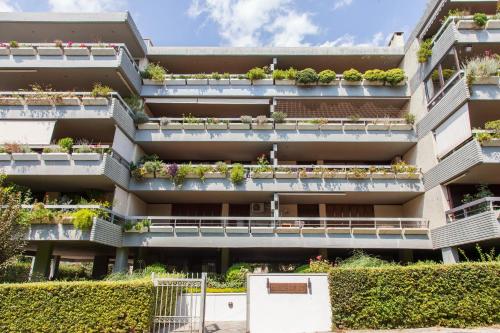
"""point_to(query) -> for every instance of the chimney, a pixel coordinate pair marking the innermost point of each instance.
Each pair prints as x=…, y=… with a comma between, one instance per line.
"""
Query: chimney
x=397, y=40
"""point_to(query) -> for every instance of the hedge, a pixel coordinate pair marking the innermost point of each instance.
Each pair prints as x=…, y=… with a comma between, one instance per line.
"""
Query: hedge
x=19, y=272
x=461, y=295
x=77, y=306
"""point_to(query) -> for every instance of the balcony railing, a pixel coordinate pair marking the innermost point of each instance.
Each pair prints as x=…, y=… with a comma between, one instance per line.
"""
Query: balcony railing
x=473, y=208
x=264, y=123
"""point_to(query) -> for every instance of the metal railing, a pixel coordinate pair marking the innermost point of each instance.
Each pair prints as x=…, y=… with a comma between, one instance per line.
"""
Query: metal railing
x=473, y=208
x=448, y=86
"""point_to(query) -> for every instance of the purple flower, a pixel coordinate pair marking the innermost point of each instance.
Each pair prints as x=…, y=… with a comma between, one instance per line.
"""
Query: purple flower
x=172, y=169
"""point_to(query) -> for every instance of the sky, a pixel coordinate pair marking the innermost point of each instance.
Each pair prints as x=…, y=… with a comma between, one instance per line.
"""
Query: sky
x=252, y=22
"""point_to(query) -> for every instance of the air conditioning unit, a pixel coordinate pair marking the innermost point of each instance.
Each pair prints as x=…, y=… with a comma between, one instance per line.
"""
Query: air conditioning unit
x=257, y=208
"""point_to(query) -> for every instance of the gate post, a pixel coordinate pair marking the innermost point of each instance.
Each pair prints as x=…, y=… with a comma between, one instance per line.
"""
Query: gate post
x=203, y=294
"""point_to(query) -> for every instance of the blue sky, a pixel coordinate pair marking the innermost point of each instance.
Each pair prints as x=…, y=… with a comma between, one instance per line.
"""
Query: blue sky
x=252, y=22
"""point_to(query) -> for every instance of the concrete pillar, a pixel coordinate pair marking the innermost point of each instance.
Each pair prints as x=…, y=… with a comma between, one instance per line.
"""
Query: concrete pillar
x=322, y=213
x=100, y=267
x=139, y=261
x=406, y=256
x=41, y=265
x=121, y=260
x=450, y=255
x=54, y=267
x=224, y=260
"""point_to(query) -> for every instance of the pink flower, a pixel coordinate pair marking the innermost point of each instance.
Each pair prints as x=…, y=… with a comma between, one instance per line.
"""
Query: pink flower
x=318, y=257
x=69, y=43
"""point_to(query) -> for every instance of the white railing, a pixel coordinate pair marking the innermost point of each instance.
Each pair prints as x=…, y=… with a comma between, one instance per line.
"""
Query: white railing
x=473, y=208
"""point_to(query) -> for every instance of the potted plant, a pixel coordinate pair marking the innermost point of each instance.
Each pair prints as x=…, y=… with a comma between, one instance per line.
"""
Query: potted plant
x=379, y=125
x=174, y=80
x=170, y=124
x=351, y=77
x=200, y=79
x=192, y=123
x=219, y=171
x=51, y=50
x=263, y=170
x=103, y=50
x=284, y=77
x=357, y=173
x=491, y=138
x=84, y=152
x=307, y=77
x=483, y=70
x=258, y=76
x=245, y=123
x=261, y=123
x=72, y=49
x=311, y=173
x=59, y=153
x=311, y=125
x=154, y=74
x=217, y=79
x=285, y=173
x=404, y=171
x=11, y=99
x=66, y=99
x=395, y=77
x=17, y=49
x=334, y=173
x=478, y=22
x=327, y=77
x=354, y=124
x=280, y=123
x=374, y=77
x=216, y=124
x=237, y=174
x=22, y=153
x=99, y=95
x=381, y=173
x=240, y=80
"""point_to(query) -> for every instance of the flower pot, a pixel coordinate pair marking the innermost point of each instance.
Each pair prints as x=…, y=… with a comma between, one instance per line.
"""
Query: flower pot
x=286, y=126
x=25, y=156
x=76, y=51
x=149, y=126
x=382, y=175
x=354, y=127
x=11, y=101
x=85, y=156
x=468, y=25
x=350, y=83
x=262, y=175
x=493, y=24
x=197, y=82
x=55, y=156
x=284, y=82
x=373, y=83
x=490, y=80
x=173, y=126
x=378, y=127
x=4, y=51
x=5, y=157
x=240, y=82
x=491, y=143
x=95, y=101
x=401, y=127
x=103, y=51
x=172, y=82
x=214, y=175
x=42, y=101
x=286, y=174
x=219, y=126
x=266, y=126
x=67, y=101
x=49, y=51
x=239, y=126
x=23, y=51
x=193, y=126
x=149, y=82
x=221, y=82
x=263, y=82
x=307, y=127
x=331, y=127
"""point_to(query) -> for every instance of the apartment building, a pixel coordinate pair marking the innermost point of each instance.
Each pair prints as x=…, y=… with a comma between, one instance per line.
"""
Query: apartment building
x=206, y=159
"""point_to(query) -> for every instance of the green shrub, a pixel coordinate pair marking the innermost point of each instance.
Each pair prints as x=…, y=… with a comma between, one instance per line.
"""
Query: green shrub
x=279, y=117
x=84, y=218
x=77, y=306
x=14, y=44
x=425, y=51
x=461, y=295
x=375, y=75
x=237, y=274
x=480, y=19
x=256, y=73
x=65, y=144
x=237, y=173
x=409, y=118
x=395, y=76
x=352, y=75
x=100, y=90
x=307, y=76
x=447, y=73
x=326, y=76
x=156, y=268
x=279, y=74
x=361, y=259
x=155, y=72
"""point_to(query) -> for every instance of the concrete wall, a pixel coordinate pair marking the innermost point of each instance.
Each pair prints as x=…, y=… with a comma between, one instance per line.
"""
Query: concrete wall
x=430, y=205
x=26, y=132
x=218, y=307
x=388, y=211
x=128, y=203
x=159, y=209
x=123, y=145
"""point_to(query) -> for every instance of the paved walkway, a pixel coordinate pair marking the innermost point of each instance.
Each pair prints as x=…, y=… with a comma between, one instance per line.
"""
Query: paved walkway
x=225, y=327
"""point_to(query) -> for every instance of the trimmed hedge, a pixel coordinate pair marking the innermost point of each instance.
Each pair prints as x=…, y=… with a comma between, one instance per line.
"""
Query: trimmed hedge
x=77, y=306
x=461, y=295
x=19, y=272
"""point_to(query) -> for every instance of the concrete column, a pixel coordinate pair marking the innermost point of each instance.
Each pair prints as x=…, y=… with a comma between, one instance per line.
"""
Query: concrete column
x=139, y=261
x=121, y=260
x=225, y=209
x=41, y=265
x=322, y=213
x=224, y=260
x=54, y=267
x=450, y=255
x=406, y=256
x=100, y=267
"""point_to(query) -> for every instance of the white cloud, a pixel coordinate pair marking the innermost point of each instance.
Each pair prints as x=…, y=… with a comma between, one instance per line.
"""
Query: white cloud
x=378, y=39
x=8, y=6
x=86, y=5
x=341, y=3
x=245, y=22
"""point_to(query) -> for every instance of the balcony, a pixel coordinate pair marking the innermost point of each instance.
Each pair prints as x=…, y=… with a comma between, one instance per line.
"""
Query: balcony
x=473, y=222
x=71, y=109
x=66, y=66
x=284, y=232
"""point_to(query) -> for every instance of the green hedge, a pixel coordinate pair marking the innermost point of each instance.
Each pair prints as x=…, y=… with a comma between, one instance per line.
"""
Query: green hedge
x=76, y=306
x=461, y=295
x=19, y=272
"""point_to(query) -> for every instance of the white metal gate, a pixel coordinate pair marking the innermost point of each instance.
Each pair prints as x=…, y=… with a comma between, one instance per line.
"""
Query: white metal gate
x=180, y=304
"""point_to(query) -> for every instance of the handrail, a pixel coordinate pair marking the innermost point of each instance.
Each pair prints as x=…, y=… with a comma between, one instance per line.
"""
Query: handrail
x=222, y=218
x=472, y=203
x=205, y=119
x=473, y=208
x=441, y=92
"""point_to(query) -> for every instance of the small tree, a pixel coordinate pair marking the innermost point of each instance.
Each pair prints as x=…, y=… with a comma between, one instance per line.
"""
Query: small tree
x=11, y=231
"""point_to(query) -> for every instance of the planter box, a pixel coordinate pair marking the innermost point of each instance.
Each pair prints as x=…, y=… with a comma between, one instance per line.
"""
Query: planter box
x=49, y=51
x=338, y=230
x=85, y=156
x=262, y=230
x=76, y=51
x=262, y=175
x=286, y=175
x=415, y=231
x=401, y=127
x=373, y=83
x=364, y=231
x=468, y=25
x=158, y=228
x=197, y=82
x=189, y=126
x=25, y=156
x=351, y=83
x=313, y=230
x=307, y=127
x=4, y=157
x=215, y=175
x=407, y=176
x=221, y=82
x=378, y=127
x=39, y=101
x=134, y=230
x=493, y=24
x=351, y=175
x=288, y=230
x=150, y=82
x=240, y=82
x=22, y=51
x=333, y=83
x=390, y=231
x=172, y=82
x=55, y=156
x=354, y=127
x=491, y=143
x=334, y=175
x=382, y=175
x=149, y=126
x=311, y=175
x=490, y=80
x=67, y=101
x=192, y=176
x=11, y=101
x=267, y=126
x=95, y=101
x=263, y=82
x=331, y=127
x=173, y=126
x=286, y=126
x=103, y=51
x=220, y=126
x=212, y=229
x=239, y=126
x=284, y=82
x=237, y=230
x=4, y=51
x=186, y=229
